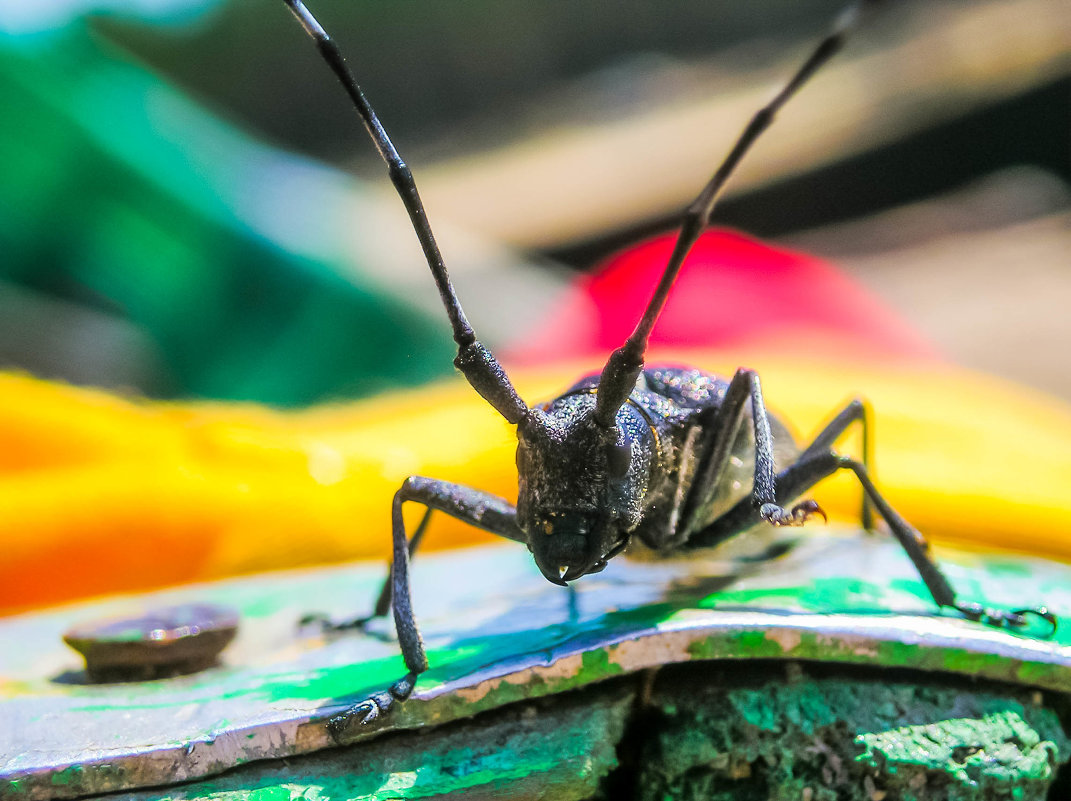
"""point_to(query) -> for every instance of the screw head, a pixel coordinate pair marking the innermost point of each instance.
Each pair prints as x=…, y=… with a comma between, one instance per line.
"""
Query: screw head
x=161, y=642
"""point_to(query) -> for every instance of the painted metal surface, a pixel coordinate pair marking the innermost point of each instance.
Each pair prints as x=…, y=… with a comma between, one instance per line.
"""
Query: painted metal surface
x=496, y=633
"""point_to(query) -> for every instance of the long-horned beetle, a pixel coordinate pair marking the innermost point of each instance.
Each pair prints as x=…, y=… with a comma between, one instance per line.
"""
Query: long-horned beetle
x=634, y=452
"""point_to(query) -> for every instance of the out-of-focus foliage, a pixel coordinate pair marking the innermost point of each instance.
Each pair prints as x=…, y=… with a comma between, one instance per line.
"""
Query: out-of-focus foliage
x=126, y=208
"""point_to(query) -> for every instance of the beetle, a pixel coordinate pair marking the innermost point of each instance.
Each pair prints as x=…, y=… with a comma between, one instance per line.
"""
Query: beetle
x=632, y=453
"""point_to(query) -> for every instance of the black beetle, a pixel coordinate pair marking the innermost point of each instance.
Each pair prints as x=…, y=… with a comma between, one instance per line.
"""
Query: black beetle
x=632, y=453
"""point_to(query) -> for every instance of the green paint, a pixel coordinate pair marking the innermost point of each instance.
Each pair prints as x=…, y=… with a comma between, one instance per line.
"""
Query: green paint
x=1006, y=568
x=751, y=645
x=812, y=646
x=747, y=597
x=915, y=589
x=222, y=684
x=824, y=595
x=69, y=775
x=278, y=793
x=999, y=749
x=466, y=655
x=558, y=751
x=344, y=683
x=596, y=666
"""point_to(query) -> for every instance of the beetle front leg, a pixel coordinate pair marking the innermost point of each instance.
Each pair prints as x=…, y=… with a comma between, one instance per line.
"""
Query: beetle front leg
x=718, y=428
x=856, y=411
x=479, y=509
x=764, y=492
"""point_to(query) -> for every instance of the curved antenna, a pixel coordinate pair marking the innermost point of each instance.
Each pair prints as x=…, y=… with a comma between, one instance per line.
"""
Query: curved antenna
x=624, y=365
x=477, y=364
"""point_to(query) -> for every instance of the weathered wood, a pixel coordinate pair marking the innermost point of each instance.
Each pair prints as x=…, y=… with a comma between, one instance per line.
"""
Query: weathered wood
x=725, y=734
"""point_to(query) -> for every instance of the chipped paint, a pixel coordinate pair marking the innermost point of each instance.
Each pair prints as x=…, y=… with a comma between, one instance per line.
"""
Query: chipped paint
x=995, y=749
x=788, y=639
x=565, y=669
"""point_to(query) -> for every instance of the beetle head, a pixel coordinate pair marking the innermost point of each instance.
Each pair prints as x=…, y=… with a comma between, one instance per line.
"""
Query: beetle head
x=580, y=486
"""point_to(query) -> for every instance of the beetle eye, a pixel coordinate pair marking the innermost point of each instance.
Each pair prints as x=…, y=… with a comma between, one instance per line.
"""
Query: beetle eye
x=619, y=457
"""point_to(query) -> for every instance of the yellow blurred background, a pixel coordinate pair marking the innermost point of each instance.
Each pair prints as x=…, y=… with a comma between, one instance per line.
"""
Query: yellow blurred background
x=175, y=226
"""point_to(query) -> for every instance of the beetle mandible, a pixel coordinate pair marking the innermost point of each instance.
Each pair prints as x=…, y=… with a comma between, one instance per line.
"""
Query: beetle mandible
x=634, y=452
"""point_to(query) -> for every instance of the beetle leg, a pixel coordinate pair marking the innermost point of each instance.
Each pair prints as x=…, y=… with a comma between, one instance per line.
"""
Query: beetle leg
x=918, y=551
x=712, y=446
x=479, y=509
x=717, y=445
x=719, y=427
x=716, y=442
x=859, y=410
x=745, y=385
x=803, y=474
x=382, y=605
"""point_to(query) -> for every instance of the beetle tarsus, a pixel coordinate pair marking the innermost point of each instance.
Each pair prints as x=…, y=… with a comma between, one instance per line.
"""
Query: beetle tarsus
x=328, y=626
x=1003, y=618
x=1044, y=613
x=796, y=516
x=365, y=713
x=804, y=510
x=403, y=688
x=372, y=709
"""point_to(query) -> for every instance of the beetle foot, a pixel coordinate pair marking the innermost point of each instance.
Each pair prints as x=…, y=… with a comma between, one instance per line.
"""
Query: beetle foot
x=359, y=715
x=371, y=710
x=1003, y=618
x=326, y=625
x=799, y=514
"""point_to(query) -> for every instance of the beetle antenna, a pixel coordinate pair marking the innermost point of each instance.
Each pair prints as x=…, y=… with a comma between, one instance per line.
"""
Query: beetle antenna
x=624, y=365
x=477, y=364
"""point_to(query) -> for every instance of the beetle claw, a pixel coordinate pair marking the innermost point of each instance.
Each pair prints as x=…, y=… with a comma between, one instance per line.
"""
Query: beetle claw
x=366, y=713
x=1001, y=618
x=799, y=514
x=1042, y=612
x=805, y=509
x=328, y=626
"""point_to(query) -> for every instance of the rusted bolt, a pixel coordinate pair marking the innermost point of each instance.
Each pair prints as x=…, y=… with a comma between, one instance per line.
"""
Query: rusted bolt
x=162, y=642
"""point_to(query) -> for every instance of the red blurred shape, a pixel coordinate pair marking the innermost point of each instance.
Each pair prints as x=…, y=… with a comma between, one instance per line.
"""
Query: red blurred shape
x=733, y=291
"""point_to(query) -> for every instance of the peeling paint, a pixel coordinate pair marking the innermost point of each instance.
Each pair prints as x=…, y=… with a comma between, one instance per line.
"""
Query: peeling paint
x=788, y=639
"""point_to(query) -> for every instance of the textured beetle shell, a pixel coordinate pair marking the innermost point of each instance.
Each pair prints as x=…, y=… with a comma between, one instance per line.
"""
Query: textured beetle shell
x=674, y=398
